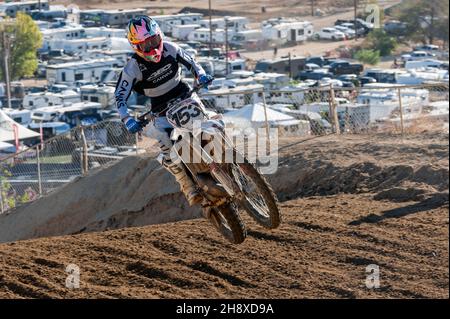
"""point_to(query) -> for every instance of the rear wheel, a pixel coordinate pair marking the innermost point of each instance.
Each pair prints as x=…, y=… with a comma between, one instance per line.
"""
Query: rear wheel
x=227, y=221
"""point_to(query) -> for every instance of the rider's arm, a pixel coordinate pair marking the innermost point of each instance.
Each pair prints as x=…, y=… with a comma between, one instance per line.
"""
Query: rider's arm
x=185, y=58
x=127, y=79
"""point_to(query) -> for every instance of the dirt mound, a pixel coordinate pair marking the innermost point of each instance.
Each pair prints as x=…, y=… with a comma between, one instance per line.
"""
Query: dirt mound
x=388, y=167
x=133, y=192
x=321, y=251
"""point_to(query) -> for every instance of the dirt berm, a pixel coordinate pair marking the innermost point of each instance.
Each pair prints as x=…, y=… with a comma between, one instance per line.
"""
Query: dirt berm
x=133, y=192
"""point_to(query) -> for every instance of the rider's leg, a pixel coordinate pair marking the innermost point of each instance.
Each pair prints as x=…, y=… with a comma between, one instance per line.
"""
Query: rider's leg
x=160, y=130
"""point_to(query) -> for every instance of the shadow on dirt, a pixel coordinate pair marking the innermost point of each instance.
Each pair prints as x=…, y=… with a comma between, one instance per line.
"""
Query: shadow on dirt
x=433, y=202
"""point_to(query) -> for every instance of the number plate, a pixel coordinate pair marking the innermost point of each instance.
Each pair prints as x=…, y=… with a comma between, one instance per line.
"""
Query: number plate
x=183, y=114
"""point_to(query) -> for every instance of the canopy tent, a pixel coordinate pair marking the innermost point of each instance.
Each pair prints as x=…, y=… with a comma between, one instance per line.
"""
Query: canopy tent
x=7, y=148
x=254, y=113
x=7, y=129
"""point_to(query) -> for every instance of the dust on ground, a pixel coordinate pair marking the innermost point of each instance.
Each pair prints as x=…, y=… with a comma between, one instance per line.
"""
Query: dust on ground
x=346, y=204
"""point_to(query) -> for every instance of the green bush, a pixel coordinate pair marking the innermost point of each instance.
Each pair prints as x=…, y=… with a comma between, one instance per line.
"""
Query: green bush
x=371, y=57
x=380, y=41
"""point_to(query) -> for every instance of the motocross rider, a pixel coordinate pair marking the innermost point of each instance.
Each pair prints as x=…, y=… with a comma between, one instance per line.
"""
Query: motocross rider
x=154, y=71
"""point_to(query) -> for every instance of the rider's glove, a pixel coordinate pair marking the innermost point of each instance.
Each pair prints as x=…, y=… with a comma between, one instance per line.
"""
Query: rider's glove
x=133, y=126
x=205, y=79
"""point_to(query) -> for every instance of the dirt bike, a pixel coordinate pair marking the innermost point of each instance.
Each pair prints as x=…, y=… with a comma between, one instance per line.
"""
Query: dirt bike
x=226, y=188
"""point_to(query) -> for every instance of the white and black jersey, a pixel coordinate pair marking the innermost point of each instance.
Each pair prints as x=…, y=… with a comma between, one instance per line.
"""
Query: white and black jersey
x=154, y=79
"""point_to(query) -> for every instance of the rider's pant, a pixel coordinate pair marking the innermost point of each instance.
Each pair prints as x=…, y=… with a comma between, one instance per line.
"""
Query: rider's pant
x=160, y=130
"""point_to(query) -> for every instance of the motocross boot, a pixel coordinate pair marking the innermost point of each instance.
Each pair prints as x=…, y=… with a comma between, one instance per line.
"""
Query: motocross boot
x=186, y=183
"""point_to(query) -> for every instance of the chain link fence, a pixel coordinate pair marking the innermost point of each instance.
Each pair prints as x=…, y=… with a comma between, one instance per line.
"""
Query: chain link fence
x=317, y=111
x=38, y=170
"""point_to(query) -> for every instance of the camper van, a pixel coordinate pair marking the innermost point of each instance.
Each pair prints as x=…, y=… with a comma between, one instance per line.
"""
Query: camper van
x=293, y=32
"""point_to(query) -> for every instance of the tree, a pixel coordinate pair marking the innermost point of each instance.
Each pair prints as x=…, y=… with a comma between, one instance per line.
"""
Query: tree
x=426, y=20
x=379, y=40
x=371, y=57
x=26, y=38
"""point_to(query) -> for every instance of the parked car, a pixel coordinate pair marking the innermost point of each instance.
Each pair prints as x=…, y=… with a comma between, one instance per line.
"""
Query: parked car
x=395, y=28
x=417, y=56
x=363, y=80
x=345, y=67
x=314, y=75
x=358, y=30
x=349, y=33
x=330, y=34
x=362, y=26
x=318, y=60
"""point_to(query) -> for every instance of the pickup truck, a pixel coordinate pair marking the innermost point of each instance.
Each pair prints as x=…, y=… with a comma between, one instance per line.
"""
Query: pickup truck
x=345, y=67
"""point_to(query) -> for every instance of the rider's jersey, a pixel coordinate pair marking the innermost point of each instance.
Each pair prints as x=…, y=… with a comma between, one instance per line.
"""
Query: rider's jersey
x=153, y=79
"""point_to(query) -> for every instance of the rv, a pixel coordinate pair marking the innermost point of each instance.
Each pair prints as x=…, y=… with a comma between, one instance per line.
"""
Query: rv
x=42, y=99
x=167, y=23
x=104, y=32
x=290, y=66
x=202, y=35
x=78, y=46
x=292, y=32
x=19, y=116
x=181, y=32
x=271, y=81
x=224, y=98
x=110, y=18
x=69, y=73
x=85, y=113
x=384, y=100
x=235, y=24
x=244, y=39
x=233, y=65
x=11, y=8
x=99, y=94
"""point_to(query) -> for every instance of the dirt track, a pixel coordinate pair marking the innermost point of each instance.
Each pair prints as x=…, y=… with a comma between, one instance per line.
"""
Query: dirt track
x=394, y=215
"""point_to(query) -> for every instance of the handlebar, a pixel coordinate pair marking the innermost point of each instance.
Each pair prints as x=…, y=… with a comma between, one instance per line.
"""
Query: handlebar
x=195, y=89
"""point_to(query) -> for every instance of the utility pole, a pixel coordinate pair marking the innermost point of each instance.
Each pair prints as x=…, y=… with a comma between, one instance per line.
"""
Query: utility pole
x=355, y=17
x=312, y=7
x=210, y=28
x=226, y=46
x=5, y=45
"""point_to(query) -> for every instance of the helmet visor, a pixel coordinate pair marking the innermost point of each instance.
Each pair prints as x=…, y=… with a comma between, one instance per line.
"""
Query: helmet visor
x=149, y=44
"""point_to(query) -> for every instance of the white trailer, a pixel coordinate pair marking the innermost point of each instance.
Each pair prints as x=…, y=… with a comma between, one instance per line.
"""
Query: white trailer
x=181, y=32
x=33, y=101
x=225, y=98
x=292, y=32
x=202, y=35
x=235, y=24
x=69, y=73
x=168, y=22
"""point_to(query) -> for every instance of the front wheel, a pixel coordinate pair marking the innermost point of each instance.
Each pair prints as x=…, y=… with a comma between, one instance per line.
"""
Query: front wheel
x=259, y=200
x=228, y=223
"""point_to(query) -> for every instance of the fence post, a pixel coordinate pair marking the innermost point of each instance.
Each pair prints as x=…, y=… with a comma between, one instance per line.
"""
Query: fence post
x=1, y=196
x=402, y=128
x=38, y=161
x=265, y=116
x=333, y=111
x=136, y=136
x=84, y=160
